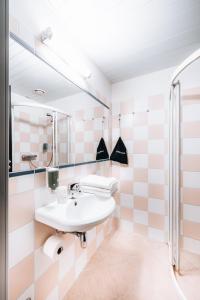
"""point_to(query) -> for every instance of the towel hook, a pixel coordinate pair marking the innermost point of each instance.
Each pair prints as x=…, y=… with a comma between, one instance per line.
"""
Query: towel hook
x=119, y=119
x=103, y=121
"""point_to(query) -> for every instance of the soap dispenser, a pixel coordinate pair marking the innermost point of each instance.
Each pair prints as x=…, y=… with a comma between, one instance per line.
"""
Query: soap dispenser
x=52, y=175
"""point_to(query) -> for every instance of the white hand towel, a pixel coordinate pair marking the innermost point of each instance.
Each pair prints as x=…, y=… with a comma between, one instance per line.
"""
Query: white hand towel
x=98, y=181
x=99, y=192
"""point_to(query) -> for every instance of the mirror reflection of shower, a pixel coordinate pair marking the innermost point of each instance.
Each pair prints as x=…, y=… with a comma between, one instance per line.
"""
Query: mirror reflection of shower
x=36, y=134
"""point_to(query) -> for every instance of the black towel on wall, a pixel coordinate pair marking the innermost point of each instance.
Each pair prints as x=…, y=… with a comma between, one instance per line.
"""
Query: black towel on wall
x=119, y=153
x=102, y=152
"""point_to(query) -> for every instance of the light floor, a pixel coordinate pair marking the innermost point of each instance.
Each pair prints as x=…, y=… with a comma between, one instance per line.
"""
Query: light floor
x=189, y=276
x=126, y=267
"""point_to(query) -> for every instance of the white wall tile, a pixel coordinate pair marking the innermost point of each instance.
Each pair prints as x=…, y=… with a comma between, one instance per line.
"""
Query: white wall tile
x=126, y=200
x=80, y=263
x=140, y=189
x=156, y=206
x=191, y=245
x=156, y=176
x=156, y=234
x=191, y=112
x=100, y=238
x=191, y=146
x=140, y=160
x=25, y=183
x=191, y=213
x=28, y=293
x=156, y=146
x=126, y=173
x=126, y=226
x=91, y=235
x=156, y=117
x=54, y=294
x=66, y=260
x=140, y=216
x=191, y=179
x=21, y=243
x=141, y=133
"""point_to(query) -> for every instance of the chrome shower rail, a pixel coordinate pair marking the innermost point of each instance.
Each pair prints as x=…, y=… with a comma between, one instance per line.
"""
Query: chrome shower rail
x=37, y=105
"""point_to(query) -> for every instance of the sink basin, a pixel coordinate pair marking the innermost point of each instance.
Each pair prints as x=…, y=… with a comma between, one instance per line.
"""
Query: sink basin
x=89, y=212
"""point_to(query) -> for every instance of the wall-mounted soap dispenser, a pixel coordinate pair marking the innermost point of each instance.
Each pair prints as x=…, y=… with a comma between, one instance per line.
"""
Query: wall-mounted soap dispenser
x=52, y=175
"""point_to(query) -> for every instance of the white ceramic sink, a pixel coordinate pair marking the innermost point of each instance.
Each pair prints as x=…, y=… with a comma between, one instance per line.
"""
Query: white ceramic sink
x=89, y=212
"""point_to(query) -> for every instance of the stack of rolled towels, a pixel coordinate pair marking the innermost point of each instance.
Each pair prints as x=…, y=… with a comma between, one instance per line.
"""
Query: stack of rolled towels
x=99, y=185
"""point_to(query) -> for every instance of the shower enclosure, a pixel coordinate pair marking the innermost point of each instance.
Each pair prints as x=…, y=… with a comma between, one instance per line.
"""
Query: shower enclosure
x=184, y=176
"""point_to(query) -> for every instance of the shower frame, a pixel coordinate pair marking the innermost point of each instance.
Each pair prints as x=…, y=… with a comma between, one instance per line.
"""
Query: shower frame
x=174, y=161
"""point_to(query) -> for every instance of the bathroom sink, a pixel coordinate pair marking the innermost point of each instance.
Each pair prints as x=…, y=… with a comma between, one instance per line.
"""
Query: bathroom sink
x=80, y=214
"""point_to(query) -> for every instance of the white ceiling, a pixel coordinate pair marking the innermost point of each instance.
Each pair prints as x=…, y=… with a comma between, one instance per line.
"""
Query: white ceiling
x=125, y=38
x=27, y=73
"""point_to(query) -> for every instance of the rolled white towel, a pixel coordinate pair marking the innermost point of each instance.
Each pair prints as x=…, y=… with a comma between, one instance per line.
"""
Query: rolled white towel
x=98, y=181
x=98, y=191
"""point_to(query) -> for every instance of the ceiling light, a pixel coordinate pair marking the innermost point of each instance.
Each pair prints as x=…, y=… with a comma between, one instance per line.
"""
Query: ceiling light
x=39, y=92
x=67, y=52
x=46, y=35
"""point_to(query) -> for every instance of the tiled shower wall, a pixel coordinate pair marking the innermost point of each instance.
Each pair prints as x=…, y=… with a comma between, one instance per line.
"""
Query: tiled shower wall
x=31, y=273
x=142, y=198
x=190, y=164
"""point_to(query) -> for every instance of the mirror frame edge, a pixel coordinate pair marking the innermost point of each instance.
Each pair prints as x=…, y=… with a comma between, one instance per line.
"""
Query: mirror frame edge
x=4, y=134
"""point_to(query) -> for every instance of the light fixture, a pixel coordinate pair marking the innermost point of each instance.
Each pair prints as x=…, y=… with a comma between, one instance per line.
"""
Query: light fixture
x=46, y=35
x=39, y=92
x=68, y=53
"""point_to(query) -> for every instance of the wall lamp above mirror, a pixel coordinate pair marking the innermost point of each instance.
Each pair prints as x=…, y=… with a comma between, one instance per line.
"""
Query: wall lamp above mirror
x=53, y=122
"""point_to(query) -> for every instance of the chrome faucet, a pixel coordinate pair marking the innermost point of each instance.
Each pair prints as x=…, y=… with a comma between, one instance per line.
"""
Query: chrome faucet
x=73, y=189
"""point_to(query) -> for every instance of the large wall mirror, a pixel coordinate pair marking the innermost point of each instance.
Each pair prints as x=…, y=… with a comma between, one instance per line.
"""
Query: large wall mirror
x=52, y=121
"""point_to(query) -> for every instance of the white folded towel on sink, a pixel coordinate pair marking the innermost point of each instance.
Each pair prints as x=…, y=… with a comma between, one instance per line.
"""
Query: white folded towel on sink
x=98, y=191
x=101, y=182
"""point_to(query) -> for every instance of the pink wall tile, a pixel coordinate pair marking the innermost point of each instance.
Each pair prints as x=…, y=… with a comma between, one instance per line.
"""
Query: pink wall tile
x=21, y=209
x=39, y=180
x=42, y=232
x=156, y=191
x=127, y=133
x=191, y=229
x=156, y=161
x=191, y=130
x=79, y=137
x=45, y=284
x=126, y=213
x=191, y=196
x=21, y=277
x=191, y=163
x=140, y=147
x=127, y=107
x=24, y=137
x=156, y=221
x=98, y=112
x=89, y=147
x=141, y=229
x=141, y=175
x=126, y=186
x=156, y=132
x=140, y=203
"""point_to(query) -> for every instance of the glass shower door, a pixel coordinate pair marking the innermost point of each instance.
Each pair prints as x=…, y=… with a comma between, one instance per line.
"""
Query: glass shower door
x=185, y=180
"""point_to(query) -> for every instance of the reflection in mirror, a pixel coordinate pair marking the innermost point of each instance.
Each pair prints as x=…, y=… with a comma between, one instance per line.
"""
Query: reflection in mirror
x=53, y=122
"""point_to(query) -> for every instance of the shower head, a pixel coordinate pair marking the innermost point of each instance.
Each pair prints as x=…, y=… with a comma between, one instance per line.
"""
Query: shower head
x=50, y=116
